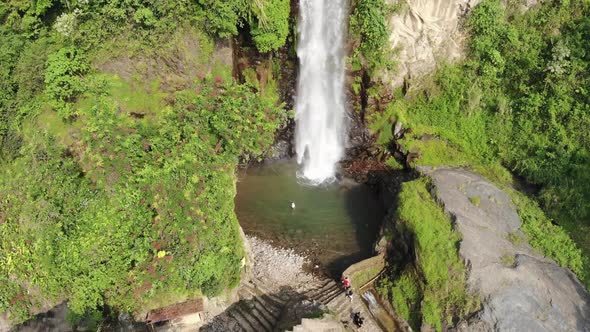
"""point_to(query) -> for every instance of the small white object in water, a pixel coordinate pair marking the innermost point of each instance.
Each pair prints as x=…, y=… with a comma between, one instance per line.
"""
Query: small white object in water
x=293, y=205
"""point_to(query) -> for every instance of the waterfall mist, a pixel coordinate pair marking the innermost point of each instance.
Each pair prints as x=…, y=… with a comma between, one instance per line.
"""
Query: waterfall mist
x=320, y=102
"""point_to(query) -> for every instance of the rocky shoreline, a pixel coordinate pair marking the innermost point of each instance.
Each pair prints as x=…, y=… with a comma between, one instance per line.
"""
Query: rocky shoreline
x=277, y=267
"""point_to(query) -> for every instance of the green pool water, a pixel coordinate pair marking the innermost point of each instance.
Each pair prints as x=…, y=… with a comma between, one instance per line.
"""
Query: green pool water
x=335, y=225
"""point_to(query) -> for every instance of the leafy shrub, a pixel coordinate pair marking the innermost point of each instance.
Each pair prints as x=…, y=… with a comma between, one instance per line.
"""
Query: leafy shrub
x=222, y=17
x=66, y=23
x=271, y=26
x=367, y=23
x=268, y=20
x=63, y=77
x=145, y=16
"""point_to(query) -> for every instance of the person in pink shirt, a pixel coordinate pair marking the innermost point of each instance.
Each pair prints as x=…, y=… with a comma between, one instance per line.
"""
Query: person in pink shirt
x=346, y=283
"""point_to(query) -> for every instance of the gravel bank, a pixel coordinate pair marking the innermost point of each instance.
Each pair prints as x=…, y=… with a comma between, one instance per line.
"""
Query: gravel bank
x=277, y=267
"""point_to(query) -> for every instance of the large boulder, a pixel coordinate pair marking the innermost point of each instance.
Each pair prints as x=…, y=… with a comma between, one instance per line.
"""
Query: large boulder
x=521, y=290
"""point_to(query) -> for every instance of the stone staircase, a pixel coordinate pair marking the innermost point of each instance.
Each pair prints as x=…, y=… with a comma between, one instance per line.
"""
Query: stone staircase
x=258, y=310
x=261, y=310
x=331, y=295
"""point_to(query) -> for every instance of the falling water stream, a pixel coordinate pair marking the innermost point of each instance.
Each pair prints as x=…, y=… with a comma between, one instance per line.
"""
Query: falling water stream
x=320, y=101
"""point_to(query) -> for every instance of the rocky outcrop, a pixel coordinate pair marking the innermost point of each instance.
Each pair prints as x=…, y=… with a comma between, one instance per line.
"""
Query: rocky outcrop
x=425, y=33
x=521, y=290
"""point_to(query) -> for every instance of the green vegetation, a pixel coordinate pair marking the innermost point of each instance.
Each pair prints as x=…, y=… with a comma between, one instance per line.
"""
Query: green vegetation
x=552, y=240
x=63, y=78
x=508, y=260
x=268, y=20
x=475, y=200
x=368, y=25
x=432, y=289
x=520, y=101
x=360, y=278
x=120, y=133
x=516, y=239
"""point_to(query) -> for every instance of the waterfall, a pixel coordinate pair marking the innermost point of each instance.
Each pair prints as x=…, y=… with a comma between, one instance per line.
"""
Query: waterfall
x=320, y=102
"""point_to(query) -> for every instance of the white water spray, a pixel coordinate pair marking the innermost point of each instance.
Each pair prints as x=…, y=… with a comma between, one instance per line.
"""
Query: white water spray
x=320, y=103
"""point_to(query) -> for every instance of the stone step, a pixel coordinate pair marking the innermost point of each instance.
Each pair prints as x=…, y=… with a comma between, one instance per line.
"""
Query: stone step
x=328, y=294
x=268, y=315
x=242, y=321
x=259, y=290
x=271, y=307
x=246, y=293
x=259, y=285
x=273, y=301
x=321, y=325
x=334, y=295
x=249, y=315
x=315, y=289
x=234, y=326
x=338, y=303
x=268, y=325
x=332, y=287
x=343, y=306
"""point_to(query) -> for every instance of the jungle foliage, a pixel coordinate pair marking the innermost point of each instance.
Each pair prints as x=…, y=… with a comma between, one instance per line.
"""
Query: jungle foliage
x=368, y=25
x=519, y=100
x=268, y=20
x=115, y=190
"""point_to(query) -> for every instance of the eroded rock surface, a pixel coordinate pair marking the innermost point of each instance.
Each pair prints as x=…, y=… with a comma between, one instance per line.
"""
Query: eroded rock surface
x=425, y=33
x=521, y=290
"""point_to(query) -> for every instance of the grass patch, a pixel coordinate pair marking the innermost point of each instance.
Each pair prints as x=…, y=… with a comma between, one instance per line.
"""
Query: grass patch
x=405, y=293
x=516, y=238
x=136, y=97
x=363, y=276
x=435, y=286
x=436, y=152
x=551, y=240
x=508, y=260
x=475, y=200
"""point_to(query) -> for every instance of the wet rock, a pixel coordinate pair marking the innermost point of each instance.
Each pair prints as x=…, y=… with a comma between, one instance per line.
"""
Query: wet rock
x=532, y=293
x=280, y=150
x=397, y=129
x=358, y=135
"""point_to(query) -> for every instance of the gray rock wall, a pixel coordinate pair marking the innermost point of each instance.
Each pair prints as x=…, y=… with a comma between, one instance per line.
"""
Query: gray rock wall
x=521, y=290
x=425, y=33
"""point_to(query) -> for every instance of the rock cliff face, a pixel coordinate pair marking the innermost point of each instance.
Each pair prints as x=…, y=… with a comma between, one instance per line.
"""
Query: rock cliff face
x=521, y=290
x=425, y=33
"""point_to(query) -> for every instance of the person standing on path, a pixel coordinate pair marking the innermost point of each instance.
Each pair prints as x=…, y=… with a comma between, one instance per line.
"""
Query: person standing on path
x=346, y=283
